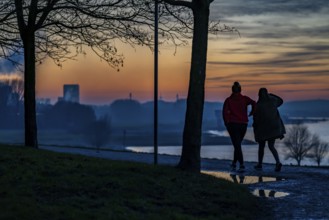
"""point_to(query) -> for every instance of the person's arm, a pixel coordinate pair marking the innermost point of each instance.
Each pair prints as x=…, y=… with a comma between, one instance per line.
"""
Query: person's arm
x=253, y=105
x=255, y=119
x=226, y=112
x=277, y=99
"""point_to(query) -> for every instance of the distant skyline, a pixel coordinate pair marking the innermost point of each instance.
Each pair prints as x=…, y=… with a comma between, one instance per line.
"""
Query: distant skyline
x=284, y=46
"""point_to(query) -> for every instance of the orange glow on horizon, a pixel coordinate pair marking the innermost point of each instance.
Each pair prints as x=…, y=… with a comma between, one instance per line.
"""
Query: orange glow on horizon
x=101, y=84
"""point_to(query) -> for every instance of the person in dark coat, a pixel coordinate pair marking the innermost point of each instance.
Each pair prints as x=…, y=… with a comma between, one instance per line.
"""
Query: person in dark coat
x=268, y=125
x=235, y=115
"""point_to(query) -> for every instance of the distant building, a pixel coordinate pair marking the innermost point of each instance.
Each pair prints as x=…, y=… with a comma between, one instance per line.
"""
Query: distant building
x=43, y=101
x=71, y=93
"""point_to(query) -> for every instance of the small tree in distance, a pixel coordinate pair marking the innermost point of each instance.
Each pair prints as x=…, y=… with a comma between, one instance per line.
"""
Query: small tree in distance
x=98, y=132
x=319, y=152
x=300, y=142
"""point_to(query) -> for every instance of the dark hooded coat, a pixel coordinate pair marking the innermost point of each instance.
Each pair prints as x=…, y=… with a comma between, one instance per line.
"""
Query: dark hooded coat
x=267, y=121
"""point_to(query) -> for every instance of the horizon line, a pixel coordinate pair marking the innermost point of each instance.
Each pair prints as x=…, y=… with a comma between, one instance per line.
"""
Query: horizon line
x=173, y=101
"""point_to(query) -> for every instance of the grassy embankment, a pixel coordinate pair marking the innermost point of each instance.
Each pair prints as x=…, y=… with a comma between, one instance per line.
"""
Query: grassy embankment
x=37, y=184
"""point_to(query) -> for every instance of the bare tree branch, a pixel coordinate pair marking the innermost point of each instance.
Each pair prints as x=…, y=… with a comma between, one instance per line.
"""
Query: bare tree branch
x=300, y=142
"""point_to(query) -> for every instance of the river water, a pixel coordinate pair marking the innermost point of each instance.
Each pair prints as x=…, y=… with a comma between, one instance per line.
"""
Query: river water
x=249, y=151
x=63, y=138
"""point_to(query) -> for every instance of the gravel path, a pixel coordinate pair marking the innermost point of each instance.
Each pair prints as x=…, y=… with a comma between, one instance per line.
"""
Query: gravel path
x=293, y=193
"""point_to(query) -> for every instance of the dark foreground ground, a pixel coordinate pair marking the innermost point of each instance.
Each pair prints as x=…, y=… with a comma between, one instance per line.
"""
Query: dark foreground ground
x=294, y=193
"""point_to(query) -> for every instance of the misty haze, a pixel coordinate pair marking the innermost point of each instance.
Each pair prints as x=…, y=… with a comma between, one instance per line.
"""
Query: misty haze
x=130, y=123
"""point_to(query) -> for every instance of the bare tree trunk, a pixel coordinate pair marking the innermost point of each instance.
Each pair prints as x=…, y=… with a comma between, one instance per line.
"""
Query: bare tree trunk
x=27, y=33
x=29, y=94
x=190, y=158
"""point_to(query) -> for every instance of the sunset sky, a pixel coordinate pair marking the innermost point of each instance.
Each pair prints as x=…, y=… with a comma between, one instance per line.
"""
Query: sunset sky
x=284, y=46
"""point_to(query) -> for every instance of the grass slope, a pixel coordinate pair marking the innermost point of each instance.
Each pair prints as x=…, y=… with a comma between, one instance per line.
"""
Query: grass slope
x=37, y=184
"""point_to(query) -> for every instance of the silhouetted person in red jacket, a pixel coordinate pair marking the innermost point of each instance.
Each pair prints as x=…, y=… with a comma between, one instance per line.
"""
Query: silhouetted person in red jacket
x=235, y=117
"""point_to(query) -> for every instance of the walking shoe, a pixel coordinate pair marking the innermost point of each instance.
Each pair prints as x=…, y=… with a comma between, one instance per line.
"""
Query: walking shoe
x=233, y=167
x=258, y=167
x=241, y=169
x=278, y=167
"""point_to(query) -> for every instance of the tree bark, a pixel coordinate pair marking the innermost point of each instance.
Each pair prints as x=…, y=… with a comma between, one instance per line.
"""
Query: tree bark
x=31, y=137
x=190, y=158
x=27, y=34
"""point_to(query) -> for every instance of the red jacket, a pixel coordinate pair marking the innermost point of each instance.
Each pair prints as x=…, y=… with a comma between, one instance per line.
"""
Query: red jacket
x=235, y=108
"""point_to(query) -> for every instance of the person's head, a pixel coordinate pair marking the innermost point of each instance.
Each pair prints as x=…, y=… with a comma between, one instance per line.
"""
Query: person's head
x=263, y=93
x=236, y=88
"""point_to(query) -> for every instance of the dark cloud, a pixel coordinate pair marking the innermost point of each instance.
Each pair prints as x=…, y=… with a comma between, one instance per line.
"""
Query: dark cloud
x=225, y=8
x=307, y=55
x=311, y=73
x=321, y=31
x=317, y=47
x=288, y=44
x=269, y=83
x=305, y=90
x=256, y=83
x=263, y=26
x=273, y=63
x=255, y=78
x=240, y=51
x=272, y=31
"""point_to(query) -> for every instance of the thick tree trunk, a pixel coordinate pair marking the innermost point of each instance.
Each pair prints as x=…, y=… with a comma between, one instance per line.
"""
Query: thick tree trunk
x=29, y=91
x=190, y=158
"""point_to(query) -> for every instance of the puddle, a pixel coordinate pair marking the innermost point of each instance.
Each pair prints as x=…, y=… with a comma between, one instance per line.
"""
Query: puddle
x=240, y=178
x=269, y=193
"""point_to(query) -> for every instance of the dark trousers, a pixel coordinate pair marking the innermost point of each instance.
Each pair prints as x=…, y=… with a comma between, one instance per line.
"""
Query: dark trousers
x=261, y=148
x=237, y=131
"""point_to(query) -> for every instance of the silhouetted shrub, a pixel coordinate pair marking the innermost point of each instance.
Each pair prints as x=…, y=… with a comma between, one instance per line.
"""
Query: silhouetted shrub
x=299, y=142
x=98, y=132
x=319, y=152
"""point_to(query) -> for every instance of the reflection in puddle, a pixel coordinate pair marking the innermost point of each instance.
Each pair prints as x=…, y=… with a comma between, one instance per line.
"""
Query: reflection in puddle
x=240, y=178
x=269, y=193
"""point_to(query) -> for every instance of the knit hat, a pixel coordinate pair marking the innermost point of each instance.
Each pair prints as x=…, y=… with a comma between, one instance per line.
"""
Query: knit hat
x=236, y=88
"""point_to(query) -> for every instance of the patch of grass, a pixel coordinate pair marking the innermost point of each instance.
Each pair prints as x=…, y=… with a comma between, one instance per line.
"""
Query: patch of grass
x=38, y=184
